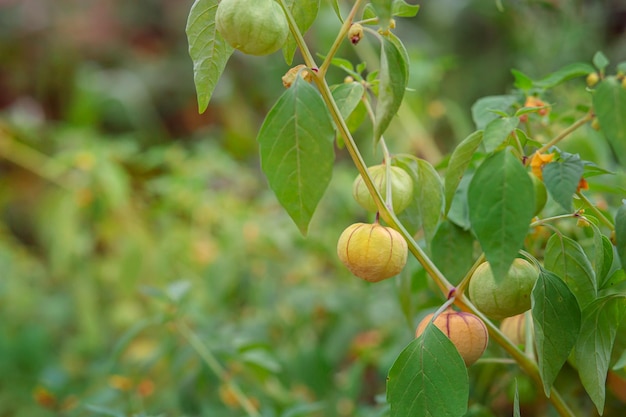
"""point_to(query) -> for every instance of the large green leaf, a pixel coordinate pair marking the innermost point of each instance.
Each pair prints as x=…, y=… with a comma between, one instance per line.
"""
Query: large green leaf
x=304, y=13
x=459, y=161
x=600, y=322
x=452, y=250
x=393, y=78
x=497, y=131
x=620, y=234
x=428, y=379
x=208, y=50
x=484, y=109
x=561, y=178
x=556, y=319
x=567, y=259
x=609, y=103
x=297, y=154
x=501, y=204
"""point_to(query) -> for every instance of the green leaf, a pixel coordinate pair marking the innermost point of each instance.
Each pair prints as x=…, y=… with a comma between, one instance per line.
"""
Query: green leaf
x=452, y=250
x=297, y=154
x=501, y=204
x=522, y=81
x=603, y=274
x=403, y=9
x=556, y=319
x=483, y=109
x=459, y=210
x=383, y=9
x=393, y=80
x=459, y=161
x=577, y=69
x=208, y=50
x=600, y=61
x=335, y=4
x=609, y=103
x=620, y=234
x=429, y=378
x=593, y=349
x=304, y=13
x=427, y=194
x=497, y=131
x=566, y=258
x=347, y=96
x=561, y=178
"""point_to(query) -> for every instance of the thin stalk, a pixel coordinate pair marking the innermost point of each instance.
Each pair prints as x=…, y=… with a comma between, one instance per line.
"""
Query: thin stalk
x=608, y=223
x=588, y=117
x=460, y=289
x=213, y=364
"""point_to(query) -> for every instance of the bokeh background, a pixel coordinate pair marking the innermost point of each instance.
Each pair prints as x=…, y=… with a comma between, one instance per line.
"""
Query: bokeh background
x=145, y=267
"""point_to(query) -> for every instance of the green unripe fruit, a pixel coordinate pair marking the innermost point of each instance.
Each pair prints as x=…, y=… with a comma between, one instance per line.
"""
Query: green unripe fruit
x=505, y=296
x=371, y=251
x=541, y=193
x=401, y=188
x=466, y=331
x=255, y=27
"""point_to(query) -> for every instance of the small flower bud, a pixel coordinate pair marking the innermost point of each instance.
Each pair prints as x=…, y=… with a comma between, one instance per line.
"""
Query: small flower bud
x=355, y=33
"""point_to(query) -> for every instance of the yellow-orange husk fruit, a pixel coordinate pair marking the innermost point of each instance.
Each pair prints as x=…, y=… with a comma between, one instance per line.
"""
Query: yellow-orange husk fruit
x=514, y=328
x=371, y=251
x=465, y=330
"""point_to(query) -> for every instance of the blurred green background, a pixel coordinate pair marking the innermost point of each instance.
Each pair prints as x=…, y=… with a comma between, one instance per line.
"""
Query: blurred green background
x=145, y=267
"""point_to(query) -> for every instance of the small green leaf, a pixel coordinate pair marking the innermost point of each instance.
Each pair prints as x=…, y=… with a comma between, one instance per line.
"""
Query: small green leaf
x=403, y=9
x=208, y=50
x=600, y=322
x=459, y=161
x=566, y=258
x=393, y=80
x=429, y=378
x=483, y=109
x=556, y=319
x=452, y=250
x=620, y=234
x=497, y=131
x=609, y=103
x=577, y=69
x=522, y=81
x=304, y=13
x=501, y=204
x=561, y=178
x=600, y=61
x=347, y=97
x=297, y=154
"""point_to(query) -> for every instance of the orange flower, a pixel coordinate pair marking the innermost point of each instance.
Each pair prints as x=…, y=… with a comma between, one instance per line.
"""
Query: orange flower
x=537, y=161
x=532, y=101
x=582, y=185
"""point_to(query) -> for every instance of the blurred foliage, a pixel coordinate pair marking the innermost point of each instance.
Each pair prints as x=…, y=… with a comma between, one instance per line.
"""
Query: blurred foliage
x=140, y=246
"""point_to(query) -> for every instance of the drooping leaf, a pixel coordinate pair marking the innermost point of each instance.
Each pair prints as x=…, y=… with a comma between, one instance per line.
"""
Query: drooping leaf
x=501, y=204
x=429, y=378
x=483, y=109
x=427, y=193
x=577, y=69
x=208, y=50
x=620, y=234
x=609, y=103
x=347, y=97
x=600, y=61
x=561, y=178
x=296, y=147
x=459, y=161
x=567, y=259
x=556, y=319
x=403, y=9
x=600, y=321
x=393, y=78
x=304, y=13
x=452, y=251
x=497, y=131
x=603, y=274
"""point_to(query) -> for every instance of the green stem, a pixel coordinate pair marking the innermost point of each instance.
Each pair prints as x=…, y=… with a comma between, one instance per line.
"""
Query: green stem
x=460, y=289
x=213, y=364
x=589, y=116
x=608, y=223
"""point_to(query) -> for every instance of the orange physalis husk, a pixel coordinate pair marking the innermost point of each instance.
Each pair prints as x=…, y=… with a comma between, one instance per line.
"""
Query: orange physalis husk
x=537, y=162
